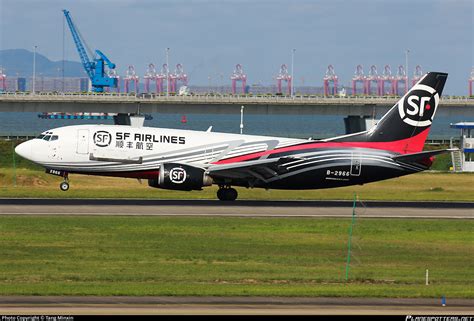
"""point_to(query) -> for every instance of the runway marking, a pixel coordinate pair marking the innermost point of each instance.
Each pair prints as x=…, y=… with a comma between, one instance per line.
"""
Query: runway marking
x=240, y=215
x=239, y=203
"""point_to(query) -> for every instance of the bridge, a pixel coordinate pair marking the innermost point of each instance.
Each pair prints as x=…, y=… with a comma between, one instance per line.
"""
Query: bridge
x=216, y=104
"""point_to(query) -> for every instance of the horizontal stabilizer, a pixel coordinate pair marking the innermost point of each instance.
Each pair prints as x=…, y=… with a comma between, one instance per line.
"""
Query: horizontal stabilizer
x=416, y=157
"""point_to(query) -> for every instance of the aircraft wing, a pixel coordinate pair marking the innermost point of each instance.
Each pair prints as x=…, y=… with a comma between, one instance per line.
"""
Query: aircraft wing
x=250, y=171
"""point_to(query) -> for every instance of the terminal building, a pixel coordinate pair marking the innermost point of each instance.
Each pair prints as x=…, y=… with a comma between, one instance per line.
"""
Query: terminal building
x=463, y=161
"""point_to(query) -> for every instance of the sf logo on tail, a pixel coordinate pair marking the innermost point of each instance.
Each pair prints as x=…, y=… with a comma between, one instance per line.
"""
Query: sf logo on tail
x=419, y=106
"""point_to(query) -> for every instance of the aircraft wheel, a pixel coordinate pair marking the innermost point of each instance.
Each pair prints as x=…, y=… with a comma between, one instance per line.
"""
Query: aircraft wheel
x=227, y=194
x=64, y=186
x=221, y=194
x=231, y=194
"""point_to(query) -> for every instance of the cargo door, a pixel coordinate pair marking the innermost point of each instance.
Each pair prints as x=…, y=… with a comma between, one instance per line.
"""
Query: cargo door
x=82, y=141
x=356, y=165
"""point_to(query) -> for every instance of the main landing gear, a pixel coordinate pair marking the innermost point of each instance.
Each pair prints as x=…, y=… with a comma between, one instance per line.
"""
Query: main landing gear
x=227, y=193
x=64, y=186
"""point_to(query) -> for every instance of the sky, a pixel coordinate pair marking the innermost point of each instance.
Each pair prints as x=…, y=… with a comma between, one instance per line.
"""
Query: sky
x=209, y=37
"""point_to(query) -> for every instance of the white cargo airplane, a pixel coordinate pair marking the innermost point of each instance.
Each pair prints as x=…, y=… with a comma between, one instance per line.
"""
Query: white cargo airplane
x=189, y=160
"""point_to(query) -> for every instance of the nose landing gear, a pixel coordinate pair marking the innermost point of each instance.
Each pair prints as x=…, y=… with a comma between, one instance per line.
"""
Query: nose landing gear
x=227, y=193
x=64, y=186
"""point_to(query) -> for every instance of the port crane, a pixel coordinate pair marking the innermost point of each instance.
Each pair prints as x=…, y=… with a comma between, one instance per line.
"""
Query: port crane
x=95, y=68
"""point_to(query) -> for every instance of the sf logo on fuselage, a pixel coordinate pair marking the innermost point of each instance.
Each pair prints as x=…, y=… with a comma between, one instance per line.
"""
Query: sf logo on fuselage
x=177, y=175
x=102, y=138
x=419, y=107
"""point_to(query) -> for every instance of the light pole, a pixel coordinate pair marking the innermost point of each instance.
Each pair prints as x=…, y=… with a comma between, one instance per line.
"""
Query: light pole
x=292, y=71
x=241, y=119
x=167, y=72
x=406, y=66
x=34, y=70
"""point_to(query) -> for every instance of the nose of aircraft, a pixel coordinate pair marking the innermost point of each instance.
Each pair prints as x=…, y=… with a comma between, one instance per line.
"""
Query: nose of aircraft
x=24, y=150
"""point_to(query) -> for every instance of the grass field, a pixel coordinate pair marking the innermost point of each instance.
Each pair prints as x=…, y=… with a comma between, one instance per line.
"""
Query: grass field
x=234, y=256
x=422, y=186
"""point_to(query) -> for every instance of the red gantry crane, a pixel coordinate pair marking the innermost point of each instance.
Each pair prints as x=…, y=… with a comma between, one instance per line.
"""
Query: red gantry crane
x=238, y=75
x=178, y=76
x=150, y=75
x=387, y=78
x=373, y=76
x=417, y=74
x=161, y=78
x=358, y=78
x=401, y=77
x=330, y=77
x=131, y=76
x=283, y=75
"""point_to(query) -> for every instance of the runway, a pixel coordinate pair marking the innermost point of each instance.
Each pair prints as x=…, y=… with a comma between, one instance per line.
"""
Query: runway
x=56, y=305
x=287, y=209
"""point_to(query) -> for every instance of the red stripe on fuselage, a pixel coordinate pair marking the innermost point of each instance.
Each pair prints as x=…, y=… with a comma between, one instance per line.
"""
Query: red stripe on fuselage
x=404, y=146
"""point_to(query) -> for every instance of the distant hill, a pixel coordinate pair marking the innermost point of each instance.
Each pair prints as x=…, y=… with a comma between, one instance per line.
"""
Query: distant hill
x=21, y=61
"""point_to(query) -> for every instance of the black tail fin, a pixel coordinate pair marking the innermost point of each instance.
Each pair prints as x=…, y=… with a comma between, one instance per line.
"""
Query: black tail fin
x=406, y=125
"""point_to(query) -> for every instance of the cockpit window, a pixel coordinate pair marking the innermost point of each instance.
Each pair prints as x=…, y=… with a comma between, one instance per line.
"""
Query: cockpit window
x=48, y=136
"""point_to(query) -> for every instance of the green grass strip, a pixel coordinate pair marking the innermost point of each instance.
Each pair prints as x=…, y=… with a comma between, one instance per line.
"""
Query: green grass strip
x=68, y=255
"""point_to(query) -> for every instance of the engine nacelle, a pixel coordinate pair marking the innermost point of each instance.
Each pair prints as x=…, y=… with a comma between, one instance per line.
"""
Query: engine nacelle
x=180, y=177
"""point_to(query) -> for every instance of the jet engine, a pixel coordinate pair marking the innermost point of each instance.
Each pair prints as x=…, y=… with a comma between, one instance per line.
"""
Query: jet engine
x=180, y=177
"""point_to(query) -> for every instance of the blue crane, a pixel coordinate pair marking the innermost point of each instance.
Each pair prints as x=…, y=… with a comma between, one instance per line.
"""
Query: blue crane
x=95, y=69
